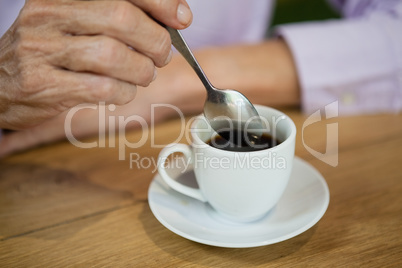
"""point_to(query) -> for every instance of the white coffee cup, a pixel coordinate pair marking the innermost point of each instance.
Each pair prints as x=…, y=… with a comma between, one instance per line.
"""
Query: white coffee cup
x=241, y=186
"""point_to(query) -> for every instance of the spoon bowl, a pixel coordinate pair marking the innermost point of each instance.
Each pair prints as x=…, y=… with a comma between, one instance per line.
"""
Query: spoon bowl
x=225, y=109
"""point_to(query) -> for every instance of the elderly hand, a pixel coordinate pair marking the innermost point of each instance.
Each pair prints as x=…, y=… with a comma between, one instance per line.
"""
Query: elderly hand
x=62, y=53
x=264, y=72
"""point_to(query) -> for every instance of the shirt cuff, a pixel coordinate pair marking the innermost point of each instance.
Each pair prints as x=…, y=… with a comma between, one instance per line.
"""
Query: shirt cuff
x=355, y=62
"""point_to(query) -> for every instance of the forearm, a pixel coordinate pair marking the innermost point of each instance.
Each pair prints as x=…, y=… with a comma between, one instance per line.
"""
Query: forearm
x=356, y=61
x=264, y=73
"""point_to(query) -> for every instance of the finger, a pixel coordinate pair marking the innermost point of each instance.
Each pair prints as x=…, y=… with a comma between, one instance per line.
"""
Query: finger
x=174, y=13
x=49, y=131
x=120, y=20
x=105, y=56
x=91, y=88
x=9, y=144
x=19, y=141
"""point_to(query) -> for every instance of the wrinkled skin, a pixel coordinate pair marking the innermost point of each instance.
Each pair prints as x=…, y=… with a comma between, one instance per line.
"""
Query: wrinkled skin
x=60, y=53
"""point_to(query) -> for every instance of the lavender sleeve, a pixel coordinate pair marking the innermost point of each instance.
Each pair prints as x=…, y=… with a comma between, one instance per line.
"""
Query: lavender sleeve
x=356, y=61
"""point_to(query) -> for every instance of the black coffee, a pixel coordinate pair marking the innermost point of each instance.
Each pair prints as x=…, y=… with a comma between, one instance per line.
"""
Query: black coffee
x=240, y=141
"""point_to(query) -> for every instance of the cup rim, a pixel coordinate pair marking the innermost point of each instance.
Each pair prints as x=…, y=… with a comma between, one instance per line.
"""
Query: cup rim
x=284, y=143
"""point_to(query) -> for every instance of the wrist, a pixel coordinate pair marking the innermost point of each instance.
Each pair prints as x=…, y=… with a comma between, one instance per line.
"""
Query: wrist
x=185, y=90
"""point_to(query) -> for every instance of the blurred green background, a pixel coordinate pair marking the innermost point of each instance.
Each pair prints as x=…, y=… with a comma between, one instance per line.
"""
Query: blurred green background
x=288, y=11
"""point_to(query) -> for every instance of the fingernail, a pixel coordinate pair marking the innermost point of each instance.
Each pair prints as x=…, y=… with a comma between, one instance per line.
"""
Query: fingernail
x=169, y=58
x=155, y=74
x=184, y=14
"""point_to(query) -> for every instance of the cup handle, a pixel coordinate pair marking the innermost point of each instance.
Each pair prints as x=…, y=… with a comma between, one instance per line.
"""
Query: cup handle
x=181, y=188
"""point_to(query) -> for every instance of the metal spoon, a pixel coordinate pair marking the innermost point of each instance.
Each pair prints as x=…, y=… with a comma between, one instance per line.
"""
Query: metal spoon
x=226, y=109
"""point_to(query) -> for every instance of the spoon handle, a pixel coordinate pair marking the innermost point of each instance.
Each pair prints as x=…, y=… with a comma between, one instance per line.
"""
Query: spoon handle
x=180, y=44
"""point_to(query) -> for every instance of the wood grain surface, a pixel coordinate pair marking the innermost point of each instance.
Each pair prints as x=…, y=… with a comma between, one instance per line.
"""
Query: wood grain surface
x=63, y=206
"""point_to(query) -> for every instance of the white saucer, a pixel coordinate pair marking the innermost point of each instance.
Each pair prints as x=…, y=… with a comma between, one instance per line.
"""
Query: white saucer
x=304, y=202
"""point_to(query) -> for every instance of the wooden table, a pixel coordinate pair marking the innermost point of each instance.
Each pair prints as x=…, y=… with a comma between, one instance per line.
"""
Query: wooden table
x=65, y=206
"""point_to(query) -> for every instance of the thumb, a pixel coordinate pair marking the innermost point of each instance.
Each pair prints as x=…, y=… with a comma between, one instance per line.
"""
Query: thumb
x=29, y=138
x=16, y=141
